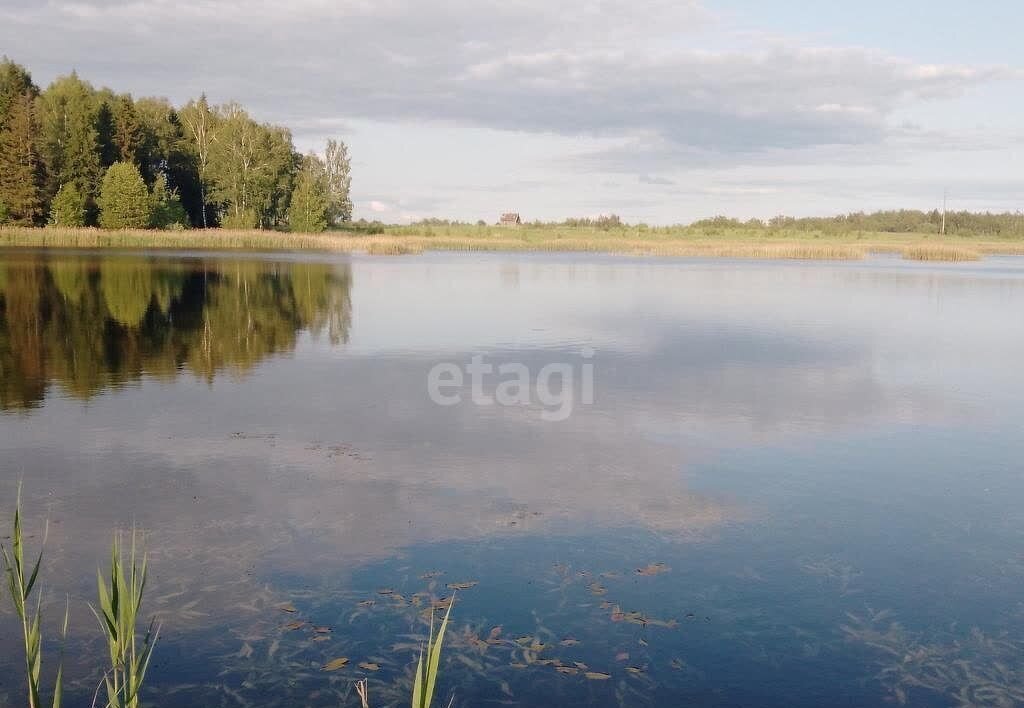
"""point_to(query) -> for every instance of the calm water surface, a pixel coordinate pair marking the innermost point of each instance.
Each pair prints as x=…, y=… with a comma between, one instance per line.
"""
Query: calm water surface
x=818, y=465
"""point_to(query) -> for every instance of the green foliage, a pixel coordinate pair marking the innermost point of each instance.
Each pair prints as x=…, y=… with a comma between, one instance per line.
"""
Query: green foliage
x=124, y=201
x=21, y=581
x=308, y=211
x=127, y=130
x=338, y=172
x=68, y=136
x=119, y=605
x=15, y=81
x=250, y=169
x=68, y=207
x=244, y=219
x=5, y=214
x=166, y=210
x=21, y=168
x=219, y=164
x=199, y=124
x=426, y=673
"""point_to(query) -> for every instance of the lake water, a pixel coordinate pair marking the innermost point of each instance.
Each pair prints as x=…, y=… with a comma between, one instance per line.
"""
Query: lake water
x=798, y=484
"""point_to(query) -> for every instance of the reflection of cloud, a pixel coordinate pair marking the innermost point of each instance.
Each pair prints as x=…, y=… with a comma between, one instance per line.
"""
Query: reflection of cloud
x=343, y=458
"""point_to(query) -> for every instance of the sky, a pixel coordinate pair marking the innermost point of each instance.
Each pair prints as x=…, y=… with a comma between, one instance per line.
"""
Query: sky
x=660, y=111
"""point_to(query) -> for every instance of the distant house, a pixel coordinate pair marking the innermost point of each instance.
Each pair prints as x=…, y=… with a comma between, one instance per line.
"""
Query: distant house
x=510, y=218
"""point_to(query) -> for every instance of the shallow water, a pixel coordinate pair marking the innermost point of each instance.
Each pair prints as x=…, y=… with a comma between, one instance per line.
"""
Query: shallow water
x=818, y=465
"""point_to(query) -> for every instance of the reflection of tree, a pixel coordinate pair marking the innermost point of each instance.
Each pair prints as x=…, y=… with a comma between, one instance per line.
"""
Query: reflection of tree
x=92, y=323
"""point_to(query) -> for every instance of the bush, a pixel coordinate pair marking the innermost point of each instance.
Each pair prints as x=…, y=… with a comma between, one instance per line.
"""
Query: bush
x=245, y=219
x=68, y=207
x=124, y=200
x=5, y=215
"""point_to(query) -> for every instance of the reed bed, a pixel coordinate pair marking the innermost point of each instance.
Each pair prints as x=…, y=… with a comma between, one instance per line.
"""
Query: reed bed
x=405, y=240
x=940, y=252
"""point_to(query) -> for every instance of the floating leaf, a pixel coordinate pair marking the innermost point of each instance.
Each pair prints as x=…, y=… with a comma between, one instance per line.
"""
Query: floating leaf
x=634, y=669
x=517, y=665
x=431, y=575
x=321, y=638
x=335, y=664
x=369, y=666
x=622, y=656
x=366, y=603
x=288, y=608
x=569, y=642
x=321, y=630
x=294, y=625
x=597, y=589
x=385, y=591
x=653, y=569
x=676, y=664
x=442, y=604
x=571, y=670
x=597, y=676
x=580, y=665
x=463, y=586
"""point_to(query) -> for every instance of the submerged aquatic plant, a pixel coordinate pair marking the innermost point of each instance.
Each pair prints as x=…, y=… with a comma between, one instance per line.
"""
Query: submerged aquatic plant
x=20, y=584
x=119, y=605
x=426, y=673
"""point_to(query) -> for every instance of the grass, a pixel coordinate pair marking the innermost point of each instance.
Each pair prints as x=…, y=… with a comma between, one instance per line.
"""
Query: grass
x=693, y=241
x=20, y=583
x=426, y=673
x=940, y=252
x=119, y=606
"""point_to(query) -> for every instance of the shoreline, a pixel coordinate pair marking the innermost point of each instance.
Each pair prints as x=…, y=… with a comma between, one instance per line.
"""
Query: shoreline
x=778, y=244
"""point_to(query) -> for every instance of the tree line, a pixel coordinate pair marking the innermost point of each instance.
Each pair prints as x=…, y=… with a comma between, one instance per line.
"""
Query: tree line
x=74, y=155
x=900, y=221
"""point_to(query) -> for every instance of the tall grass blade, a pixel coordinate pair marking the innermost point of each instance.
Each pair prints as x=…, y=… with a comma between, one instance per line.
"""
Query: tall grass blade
x=119, y=605
x=20, y=589
x=426, y=674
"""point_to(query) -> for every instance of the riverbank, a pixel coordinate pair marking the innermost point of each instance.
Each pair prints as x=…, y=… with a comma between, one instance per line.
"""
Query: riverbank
x=676, y=241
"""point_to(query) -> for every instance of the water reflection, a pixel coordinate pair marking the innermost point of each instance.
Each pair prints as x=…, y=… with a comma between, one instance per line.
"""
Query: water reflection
x=93, y=322
x=815, y=451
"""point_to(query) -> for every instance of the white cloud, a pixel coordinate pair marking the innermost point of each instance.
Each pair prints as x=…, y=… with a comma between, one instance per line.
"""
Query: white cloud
x=574, y=68
x=647, y=88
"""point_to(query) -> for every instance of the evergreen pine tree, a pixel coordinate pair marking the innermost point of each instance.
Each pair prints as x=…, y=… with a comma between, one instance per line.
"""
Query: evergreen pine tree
x=21, y=169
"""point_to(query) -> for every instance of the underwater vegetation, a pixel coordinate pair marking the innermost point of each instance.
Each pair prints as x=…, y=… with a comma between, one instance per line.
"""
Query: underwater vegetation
x=973, y=670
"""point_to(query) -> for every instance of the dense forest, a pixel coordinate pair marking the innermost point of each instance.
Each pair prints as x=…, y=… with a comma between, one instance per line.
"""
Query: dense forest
x=75, y=155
